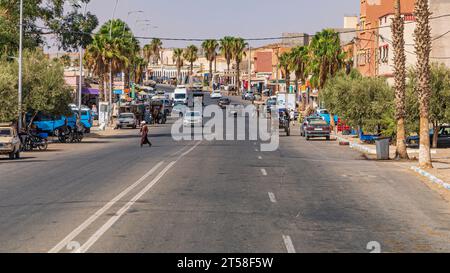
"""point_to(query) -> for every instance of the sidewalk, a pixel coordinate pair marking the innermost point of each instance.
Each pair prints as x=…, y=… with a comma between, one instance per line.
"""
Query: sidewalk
x=440, y=174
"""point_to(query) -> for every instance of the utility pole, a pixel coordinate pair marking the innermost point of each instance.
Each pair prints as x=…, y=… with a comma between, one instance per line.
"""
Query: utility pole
x=80, y=87
x=249, y=87
x=110, y=64
x=277, y=69
x=19, y=125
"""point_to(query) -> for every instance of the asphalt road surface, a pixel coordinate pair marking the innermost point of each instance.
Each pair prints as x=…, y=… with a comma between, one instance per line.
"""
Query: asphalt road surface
x=109, y=195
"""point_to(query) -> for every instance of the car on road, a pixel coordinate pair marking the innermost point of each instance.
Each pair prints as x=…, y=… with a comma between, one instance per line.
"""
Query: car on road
x=179, y=109
x=216, y=94
x=224, y=102
x=443, y=138
x=9, y=142
x=192, y=118
x=315, y=126
x=271, y=104
x=126, y=120
x=181, y=95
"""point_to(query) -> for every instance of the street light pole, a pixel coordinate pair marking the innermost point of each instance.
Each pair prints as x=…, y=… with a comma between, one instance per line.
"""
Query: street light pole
x=80, y=87
x=110, y=63
x=19, y=125
x=249, y=87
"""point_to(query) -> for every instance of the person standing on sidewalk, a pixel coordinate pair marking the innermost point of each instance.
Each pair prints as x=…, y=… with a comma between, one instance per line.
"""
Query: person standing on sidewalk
x=144, y=134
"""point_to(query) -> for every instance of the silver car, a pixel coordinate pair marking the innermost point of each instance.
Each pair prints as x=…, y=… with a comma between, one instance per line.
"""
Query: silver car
x=126, y=120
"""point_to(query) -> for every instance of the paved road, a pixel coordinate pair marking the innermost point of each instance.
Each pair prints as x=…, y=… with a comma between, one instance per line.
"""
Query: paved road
x=109, y=195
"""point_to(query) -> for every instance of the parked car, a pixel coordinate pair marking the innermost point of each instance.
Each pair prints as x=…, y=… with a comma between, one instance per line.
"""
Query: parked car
x=126, y=120
x=9, y=142
x=223, y=102
x=443, y=138
x=192, y=118
x=306, y=121
x=315, y=127
x=216, y=94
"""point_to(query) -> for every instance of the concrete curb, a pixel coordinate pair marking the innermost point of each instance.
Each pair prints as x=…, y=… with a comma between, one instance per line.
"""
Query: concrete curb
x=431, y=177
x=357, y=146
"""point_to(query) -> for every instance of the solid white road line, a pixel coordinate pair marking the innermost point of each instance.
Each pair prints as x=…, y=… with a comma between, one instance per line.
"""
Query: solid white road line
x=97, y=214
x=272, y=197
x=121, y=211
x=264, y=172
x=288, y=243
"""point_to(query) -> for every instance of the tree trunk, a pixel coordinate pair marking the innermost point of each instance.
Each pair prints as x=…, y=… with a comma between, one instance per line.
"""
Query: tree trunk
x=424, y=150
x=436, y=129
x=401, y=149
x=210, y=74
x=400, y=81
x=238, y=76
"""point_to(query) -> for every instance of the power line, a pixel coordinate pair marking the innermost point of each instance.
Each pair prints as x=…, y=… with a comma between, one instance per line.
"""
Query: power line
x=52, y=32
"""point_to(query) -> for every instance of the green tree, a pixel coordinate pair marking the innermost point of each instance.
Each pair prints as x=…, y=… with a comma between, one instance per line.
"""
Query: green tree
x=238, y=48
x=178, y=60
x=210, y=48
x=191, y=55
x=226, y=49
x=284, y=62
x=44, y=89
x=298, y=64
x=152, y=51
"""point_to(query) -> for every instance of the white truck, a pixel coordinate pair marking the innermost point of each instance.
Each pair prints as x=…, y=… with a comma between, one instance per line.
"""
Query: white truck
x=180, y=95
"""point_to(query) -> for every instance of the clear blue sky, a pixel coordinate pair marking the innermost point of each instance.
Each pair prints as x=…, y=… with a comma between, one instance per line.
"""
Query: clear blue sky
x=215, y=19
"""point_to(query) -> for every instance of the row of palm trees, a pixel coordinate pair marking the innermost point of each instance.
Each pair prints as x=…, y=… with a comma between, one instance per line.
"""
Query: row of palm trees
x=115, y=49
x=231, y=48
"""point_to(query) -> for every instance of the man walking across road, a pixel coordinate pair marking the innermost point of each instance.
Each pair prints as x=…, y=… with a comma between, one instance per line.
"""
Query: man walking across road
x=144, y=134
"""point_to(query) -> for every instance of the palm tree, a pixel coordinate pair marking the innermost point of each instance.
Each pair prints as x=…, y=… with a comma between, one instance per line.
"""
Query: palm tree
x=422, y=36
x=178, y=60
x=190, y=55
x=298, y=63
x=210, y=47
x=400, y=80
x=226, y=49
x=326, y=58
x=238, y=49
x=284, y=63
x=156, y=46
x=147, y=52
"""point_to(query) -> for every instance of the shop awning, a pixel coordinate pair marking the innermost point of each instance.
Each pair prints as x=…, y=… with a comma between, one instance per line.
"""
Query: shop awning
x=90, y=91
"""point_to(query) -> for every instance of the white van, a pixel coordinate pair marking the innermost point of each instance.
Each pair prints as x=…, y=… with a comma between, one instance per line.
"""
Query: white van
x=180, y=95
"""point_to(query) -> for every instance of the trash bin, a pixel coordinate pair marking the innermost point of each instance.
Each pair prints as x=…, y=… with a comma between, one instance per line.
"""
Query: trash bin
x=382, y=148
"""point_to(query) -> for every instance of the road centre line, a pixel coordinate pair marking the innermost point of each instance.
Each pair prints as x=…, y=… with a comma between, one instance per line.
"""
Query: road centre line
x=102, y=230
x=288, y=243
x=61, y=245
x=264, y=172
x=101, y=211
x=272, y=197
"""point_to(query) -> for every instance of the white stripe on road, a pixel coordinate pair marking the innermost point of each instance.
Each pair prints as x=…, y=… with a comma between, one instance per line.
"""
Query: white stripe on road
x=288, y=243
x=94, y=238
x=272, y=197
x=264, y=172
x=68, y=239
x=97, y=214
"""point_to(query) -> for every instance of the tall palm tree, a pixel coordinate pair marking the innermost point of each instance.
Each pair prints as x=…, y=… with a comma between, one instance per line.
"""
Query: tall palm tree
x=298, y=64
x=284, y=63
x=95, y=60
x=238, y=48
x=226, y=49
x=326, y=58
x=210, y=47
x=400, y=80
x=156, y=46
x=178, y=60
x=147, y=52
x=422, y=36
x=190, y=55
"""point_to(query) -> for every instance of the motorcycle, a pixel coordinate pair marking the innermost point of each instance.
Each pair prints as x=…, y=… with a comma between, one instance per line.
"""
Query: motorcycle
x=36, y=141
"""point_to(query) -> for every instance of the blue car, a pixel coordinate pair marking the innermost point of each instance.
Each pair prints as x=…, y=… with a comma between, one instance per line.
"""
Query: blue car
x=443, y=138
